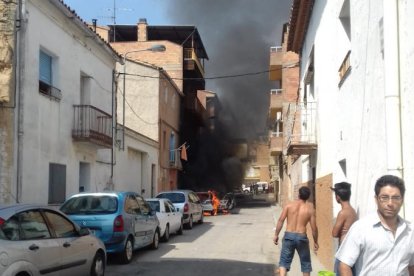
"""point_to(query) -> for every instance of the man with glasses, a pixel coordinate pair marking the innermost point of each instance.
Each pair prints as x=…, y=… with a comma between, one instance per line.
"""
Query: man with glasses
x=381, y=243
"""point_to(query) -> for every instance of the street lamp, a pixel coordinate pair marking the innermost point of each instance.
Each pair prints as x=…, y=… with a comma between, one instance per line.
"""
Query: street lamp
x=153, y=48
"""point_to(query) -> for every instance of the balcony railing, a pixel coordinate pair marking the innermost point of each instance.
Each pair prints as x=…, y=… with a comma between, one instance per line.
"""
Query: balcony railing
x=92, y=125
x=190, y=55
x=276, y=61
x=50, y=91
x=301, y=128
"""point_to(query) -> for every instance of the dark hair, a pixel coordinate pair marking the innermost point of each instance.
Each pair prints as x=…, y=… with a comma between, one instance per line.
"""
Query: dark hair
x=304, y=193
x=343, y=190
x=389, y=180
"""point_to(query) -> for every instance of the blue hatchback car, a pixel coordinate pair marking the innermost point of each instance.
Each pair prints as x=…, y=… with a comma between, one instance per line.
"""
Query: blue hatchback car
x=124, y=221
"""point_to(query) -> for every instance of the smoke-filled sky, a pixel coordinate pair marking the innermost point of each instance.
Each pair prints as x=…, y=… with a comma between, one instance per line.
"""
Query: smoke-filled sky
x=237, y=35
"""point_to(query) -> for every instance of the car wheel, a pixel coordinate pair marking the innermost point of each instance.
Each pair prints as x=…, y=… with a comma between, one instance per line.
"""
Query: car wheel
x=180, y=230
x=166, y=235
x=155, y=240
x=98, y=264
x=189, y=224
x=201, y=221
x=126, y=255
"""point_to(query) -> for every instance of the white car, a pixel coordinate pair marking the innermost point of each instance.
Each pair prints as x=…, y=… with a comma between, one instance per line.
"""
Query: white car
x=171, y=220
x=188, y=203
x=37, y=240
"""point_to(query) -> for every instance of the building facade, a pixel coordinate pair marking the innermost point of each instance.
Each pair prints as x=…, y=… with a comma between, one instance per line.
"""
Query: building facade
x=60, y=114
x=149, y=103
x=183, y=61
x=355, y=67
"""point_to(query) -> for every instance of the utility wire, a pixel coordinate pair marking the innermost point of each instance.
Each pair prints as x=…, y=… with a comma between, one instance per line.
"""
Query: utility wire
x=217, y=77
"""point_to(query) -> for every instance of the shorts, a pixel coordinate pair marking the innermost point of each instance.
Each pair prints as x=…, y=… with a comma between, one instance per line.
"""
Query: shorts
x=300, y=243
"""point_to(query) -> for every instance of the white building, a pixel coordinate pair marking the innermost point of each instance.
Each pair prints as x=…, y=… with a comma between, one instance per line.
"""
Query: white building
x=357, y=63
x=149, y=104
x=62, y=120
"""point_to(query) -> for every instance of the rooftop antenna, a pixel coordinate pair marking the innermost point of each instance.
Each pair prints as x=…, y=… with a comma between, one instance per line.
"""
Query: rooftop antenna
x=112, y=17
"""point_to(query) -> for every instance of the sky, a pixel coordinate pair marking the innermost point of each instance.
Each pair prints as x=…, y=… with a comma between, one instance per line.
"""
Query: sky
x=237, y=35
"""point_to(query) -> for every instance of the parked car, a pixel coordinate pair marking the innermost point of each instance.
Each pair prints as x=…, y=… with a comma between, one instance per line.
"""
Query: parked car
x=124, y=221
x=171, y=220
x=206, y=203
x=188, y=203
x=36, y=240
x=228, y=202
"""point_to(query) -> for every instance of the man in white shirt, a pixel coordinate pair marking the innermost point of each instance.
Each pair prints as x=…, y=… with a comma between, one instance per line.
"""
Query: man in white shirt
x=381, y=243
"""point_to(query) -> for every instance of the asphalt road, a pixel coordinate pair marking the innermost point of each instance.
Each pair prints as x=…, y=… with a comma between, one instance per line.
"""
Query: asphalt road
x=235, y=244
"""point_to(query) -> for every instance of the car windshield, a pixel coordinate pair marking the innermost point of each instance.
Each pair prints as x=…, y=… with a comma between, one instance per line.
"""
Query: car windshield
x=155, y=205
x=90, y=204
x=174, y=197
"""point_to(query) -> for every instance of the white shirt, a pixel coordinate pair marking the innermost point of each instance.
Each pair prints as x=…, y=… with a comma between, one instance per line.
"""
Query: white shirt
x=374, y=250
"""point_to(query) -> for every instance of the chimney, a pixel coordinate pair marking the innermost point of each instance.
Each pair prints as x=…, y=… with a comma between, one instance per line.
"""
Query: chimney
x=142, y=29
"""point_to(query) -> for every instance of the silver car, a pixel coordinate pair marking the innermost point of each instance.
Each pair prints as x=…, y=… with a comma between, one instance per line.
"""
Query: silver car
x=188, y=203
x=37, y=240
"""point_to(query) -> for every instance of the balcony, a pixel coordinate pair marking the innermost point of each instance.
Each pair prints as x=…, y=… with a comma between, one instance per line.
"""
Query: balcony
x=276, y=102
x=276, y=62
x=276, y=143
x=92, y=125
x=191, y=61
x=50, y=91
x=301, y=128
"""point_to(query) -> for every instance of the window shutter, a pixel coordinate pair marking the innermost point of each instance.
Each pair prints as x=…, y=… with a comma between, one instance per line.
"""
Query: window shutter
x=45, y=68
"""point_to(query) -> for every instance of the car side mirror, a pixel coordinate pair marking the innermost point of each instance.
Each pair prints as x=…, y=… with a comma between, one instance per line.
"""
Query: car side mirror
x=84, y=232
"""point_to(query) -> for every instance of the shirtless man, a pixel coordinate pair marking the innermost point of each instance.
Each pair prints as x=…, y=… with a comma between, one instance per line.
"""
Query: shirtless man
x=346, y=217
x=298, y=213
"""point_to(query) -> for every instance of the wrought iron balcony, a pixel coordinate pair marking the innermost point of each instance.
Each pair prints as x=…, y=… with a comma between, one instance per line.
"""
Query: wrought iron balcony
x=92, y=125
x=50, y=91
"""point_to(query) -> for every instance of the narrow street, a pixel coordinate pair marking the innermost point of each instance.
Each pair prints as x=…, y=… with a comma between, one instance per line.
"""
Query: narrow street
x=235, y=244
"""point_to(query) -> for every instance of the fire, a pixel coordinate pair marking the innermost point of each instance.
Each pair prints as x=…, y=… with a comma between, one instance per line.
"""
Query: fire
x=215, y=202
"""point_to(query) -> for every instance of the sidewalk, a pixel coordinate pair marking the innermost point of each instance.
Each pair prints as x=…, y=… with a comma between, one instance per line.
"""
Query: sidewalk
x=295, y=267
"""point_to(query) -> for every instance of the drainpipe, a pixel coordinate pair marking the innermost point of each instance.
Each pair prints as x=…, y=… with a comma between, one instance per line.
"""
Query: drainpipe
x=392, y=90
x=19, y=99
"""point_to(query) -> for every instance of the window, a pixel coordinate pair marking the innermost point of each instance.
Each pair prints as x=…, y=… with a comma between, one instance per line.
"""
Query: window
x=172, y=148
x=33, y=226
x=172, y=208
x=63, y=228
x=46, y=76
x=145, y=209
x=345, y=19
x=57, y=183
x=45, y=68
x=10, y=230
x=167, y=207
x=131, y=205
x=155, y=205
x=164, y=138
x=345, y=68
